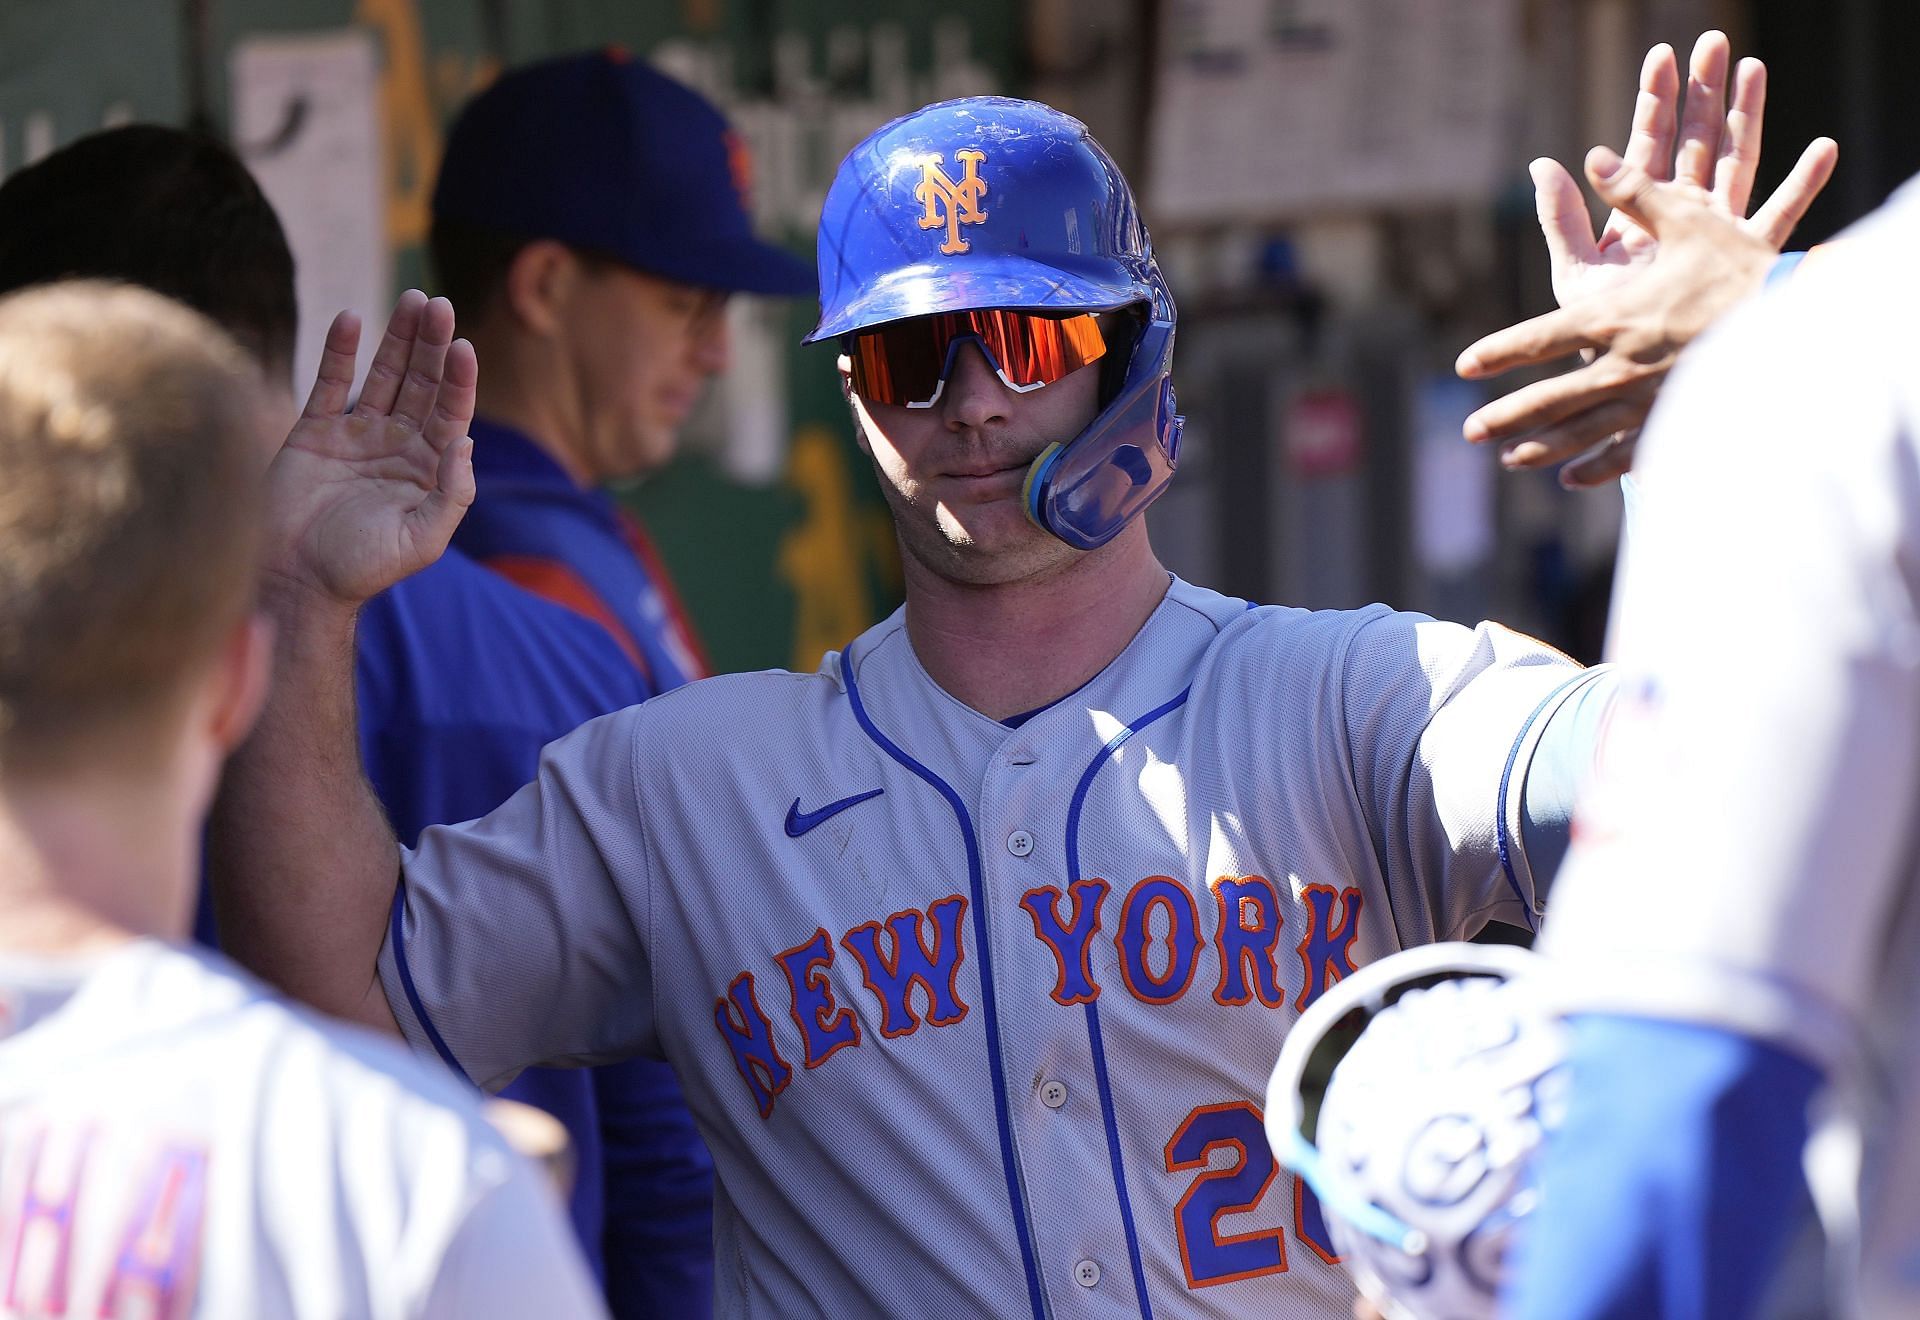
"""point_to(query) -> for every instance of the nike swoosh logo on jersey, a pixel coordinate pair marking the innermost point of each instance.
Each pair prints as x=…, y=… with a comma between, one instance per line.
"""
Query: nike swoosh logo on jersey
x=799, y=823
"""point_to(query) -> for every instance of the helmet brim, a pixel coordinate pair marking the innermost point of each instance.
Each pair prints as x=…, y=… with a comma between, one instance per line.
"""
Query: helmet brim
x=1005, y=282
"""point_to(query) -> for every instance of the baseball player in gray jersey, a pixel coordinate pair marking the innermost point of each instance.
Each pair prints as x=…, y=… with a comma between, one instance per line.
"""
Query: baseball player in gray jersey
x=973, y=949
x=174, y=1142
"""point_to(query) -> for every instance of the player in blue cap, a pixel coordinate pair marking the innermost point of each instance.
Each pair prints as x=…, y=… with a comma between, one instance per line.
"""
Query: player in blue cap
x=973, y=950
x=590, y=221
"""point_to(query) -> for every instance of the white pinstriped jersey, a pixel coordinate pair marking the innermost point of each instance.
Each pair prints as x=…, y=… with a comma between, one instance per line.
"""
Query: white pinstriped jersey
x=1764, y=759
x=176, y=1143
x=975, y=1019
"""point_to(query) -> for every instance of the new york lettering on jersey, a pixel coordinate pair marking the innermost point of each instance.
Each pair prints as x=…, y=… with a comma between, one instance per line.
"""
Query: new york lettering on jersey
x=910, y=963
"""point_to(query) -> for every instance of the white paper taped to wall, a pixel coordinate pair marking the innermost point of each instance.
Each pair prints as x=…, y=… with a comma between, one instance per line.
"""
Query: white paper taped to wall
x=306, y=119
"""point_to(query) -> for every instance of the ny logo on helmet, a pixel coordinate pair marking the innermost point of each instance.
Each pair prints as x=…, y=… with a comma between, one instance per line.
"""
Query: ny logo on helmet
x=961, y=200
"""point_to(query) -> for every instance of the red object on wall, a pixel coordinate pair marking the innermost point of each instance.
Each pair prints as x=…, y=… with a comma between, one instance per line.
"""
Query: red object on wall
x=1321, y=434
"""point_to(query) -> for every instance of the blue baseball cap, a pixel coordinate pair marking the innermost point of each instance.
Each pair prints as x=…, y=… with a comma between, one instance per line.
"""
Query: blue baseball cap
x=604, y=152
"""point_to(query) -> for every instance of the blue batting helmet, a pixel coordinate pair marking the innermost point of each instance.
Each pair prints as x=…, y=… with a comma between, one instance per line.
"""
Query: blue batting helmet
x=989, y=202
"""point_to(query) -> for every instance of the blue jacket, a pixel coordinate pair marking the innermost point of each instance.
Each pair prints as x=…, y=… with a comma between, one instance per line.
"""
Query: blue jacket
x=574, y=546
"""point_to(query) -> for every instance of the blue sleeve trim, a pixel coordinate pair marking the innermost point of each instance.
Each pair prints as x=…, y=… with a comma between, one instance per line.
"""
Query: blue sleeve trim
x=1502, y=835
x=1675, y=1181
x=1783, y=267
x=406, y=983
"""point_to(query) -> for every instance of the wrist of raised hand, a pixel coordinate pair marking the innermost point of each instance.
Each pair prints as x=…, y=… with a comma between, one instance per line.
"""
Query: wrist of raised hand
x=300, y=609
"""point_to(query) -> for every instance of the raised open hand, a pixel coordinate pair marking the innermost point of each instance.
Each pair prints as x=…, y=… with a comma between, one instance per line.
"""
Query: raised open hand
x=1633, y=330
x=357, y=500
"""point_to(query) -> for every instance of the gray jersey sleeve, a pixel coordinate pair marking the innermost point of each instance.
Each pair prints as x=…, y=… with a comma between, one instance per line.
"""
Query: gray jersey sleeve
x=1443, y=722
x=520, y=939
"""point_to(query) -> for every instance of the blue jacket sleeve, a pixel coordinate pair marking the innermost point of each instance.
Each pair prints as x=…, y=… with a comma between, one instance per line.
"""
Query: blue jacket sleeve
x=1670, y=1188
x=659, y=1186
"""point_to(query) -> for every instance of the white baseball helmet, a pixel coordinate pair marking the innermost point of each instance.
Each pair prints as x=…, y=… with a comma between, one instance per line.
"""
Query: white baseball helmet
x=1410, y=1097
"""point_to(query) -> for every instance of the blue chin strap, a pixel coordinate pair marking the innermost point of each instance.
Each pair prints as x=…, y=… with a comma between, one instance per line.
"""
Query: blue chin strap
x=1086, y=490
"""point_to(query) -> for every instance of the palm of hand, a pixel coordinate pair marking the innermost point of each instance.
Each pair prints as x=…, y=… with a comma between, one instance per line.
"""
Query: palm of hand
x=1625, y=249
x=349, y=489
x=359, y=499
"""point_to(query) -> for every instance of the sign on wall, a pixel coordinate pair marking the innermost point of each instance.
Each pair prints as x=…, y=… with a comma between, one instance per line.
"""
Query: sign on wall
x=1267, y=108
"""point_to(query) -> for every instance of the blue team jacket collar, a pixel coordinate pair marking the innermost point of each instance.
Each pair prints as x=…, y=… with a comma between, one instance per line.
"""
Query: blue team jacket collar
x=506, y=461
x=504, y=454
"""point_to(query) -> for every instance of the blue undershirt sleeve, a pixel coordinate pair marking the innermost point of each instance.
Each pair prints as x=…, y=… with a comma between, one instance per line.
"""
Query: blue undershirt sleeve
x=1671, y=1188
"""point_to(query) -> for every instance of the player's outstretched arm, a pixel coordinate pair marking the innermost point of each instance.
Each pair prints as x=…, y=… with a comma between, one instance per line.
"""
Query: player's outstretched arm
x=1678, y=250
x=302, y=862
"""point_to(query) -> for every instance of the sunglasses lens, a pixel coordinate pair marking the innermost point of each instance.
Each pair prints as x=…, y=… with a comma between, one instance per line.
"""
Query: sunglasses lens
x=1038, y=350
x=903, y=362
x=899, y=363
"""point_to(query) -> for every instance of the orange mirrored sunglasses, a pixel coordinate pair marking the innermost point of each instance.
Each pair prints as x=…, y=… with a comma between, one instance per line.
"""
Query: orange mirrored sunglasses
x=905, y=363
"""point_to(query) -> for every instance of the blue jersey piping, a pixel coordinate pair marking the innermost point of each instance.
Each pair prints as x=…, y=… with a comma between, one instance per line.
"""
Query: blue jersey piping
x=1506, y=779
x=1101, y=1079
x=413, y=996
x=974, y=880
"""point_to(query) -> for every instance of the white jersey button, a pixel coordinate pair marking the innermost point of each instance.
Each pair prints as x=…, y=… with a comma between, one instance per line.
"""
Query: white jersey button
x=1053, y=1094
x=1019, y=843
x=1086, y=1273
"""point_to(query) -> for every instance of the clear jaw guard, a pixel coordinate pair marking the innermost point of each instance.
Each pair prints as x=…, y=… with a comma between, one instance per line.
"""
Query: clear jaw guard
x=1086, y=490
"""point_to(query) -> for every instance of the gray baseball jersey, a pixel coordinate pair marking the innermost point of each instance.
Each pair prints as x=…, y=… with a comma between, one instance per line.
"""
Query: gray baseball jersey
x=174, y=1143
x=1766, y=754
x=977, y=1019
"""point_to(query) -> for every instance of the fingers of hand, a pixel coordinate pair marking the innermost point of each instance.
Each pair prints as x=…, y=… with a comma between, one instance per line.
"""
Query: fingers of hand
x=1655, y=113
x=333, y=384
x=420, y=386
x=1580, y=432
x=1548, y=403
x=1606, y=462
x=1775, y=220
x=1705, y=116
x=453, y=407
x=455, y=478
x=1740, y=147
x=1544, y=338
x=1631, y=190
x=433, y=522
x=389, y=367
x=1564, y=221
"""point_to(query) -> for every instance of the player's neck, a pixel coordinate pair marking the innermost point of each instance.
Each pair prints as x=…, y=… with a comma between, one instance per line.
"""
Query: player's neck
x=1005, y=650
x=87, y=861
x=522, y=394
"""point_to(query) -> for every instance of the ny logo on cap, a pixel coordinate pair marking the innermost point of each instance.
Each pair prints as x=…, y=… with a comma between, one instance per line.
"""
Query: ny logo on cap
x=961, y=200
